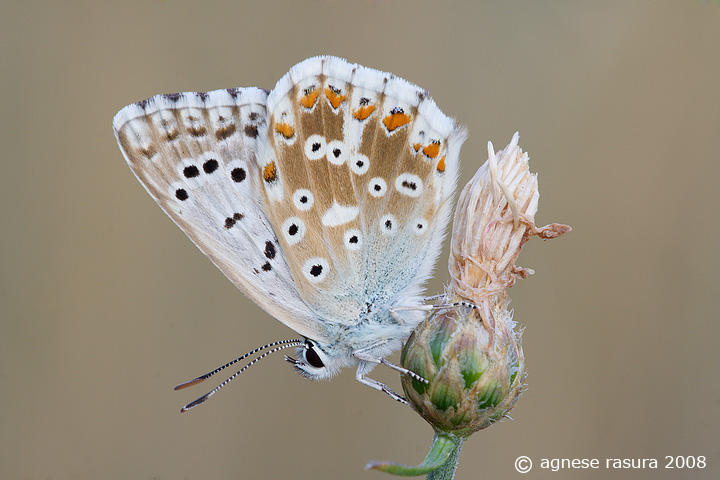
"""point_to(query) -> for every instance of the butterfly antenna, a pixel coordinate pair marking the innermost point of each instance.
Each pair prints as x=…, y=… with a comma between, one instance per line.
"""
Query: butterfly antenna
x=202, y=378
x=281, y=345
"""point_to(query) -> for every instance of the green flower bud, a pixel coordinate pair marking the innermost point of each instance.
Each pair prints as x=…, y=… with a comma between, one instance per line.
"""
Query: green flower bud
x=475, y=369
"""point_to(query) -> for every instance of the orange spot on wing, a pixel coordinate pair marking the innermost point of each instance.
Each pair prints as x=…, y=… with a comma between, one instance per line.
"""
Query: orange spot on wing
x=396, y=120
x=417, y=147
x=364, y=112
x=270, y=172
x=432, y=150
x=335, y=97
x=441, y=165
x=285, y=130
x=310, y=98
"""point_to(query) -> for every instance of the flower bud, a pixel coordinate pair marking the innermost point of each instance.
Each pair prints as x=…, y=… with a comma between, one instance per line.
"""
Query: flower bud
x=475, y=373
x=467, y=347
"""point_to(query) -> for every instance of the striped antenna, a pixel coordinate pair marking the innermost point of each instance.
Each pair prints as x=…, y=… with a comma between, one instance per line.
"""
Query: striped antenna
x=277, y=346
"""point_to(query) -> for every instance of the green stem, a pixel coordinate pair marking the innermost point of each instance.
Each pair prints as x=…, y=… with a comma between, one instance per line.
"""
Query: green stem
x=444, y=450
x=446, y=471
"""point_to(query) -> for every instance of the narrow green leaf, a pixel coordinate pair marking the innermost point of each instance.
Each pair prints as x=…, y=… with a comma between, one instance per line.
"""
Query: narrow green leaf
x=441, y=449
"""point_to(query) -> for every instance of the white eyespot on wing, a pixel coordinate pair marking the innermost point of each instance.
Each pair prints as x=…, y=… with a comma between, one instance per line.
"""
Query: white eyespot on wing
x=388, y=225
x=303, y=199
x=315, y=147
x=359, y=164
x=316, y=269
x=237, y=171
x=339, y=214
x=336, y=152
x=293, y=230
x=409, y=184
x=353, y=239
x=377, y=187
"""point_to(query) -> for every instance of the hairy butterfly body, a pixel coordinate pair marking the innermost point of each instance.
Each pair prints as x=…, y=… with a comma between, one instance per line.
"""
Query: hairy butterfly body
x=324, y=200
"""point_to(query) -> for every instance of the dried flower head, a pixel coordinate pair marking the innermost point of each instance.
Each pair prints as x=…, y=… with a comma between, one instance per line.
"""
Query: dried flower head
x=468, y=348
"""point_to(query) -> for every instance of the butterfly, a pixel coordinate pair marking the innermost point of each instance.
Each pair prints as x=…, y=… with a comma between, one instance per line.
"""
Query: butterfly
x=325, y=201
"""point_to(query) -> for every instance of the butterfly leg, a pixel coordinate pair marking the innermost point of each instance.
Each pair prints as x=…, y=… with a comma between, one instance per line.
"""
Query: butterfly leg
x=432, y=297
x=422, y=308
x=457, y=304
x=369, y=359
x=427, y=308
x=441, y=306
x=360, y=376
x=398, y=318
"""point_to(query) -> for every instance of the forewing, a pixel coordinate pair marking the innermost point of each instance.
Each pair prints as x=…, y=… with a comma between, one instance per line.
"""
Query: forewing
x=197, y=156
x=358, y=179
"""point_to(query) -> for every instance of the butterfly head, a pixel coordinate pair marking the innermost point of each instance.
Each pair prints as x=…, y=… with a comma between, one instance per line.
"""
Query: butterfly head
x=315, y=361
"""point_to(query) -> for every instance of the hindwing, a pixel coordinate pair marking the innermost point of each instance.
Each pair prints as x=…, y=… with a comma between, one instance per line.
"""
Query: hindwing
x=358, y=175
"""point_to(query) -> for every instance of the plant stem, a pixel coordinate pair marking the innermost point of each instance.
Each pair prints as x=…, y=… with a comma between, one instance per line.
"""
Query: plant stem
x=447, y=470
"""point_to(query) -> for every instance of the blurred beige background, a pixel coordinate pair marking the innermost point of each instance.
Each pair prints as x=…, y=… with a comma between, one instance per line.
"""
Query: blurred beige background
x=106, y=304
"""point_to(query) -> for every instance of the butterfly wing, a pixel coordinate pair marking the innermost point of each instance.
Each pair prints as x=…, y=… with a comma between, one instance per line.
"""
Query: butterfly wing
x=358, y=178
x=197, y=156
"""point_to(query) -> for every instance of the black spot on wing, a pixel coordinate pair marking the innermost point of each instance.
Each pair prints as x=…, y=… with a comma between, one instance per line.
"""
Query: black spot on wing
x=410, y=185
x=251, y=131
x=270, y=250
x=238, y=174
x=231, y=221
x=210, y=165
x=191, y=171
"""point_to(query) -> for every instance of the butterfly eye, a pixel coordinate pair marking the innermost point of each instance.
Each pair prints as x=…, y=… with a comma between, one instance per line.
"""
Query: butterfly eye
x=311, y=356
